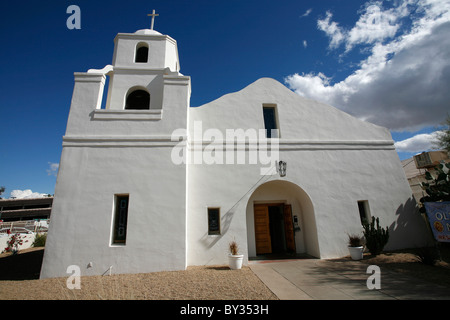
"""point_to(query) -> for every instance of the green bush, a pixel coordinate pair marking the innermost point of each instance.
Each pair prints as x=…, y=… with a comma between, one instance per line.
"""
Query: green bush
x=376, y=236
x=40, y=239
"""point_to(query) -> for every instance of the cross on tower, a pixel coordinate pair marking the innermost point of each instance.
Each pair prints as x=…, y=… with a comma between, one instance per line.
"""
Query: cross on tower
x=153, y=15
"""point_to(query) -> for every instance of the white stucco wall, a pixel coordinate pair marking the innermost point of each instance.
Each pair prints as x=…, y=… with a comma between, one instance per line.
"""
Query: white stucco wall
x=334, y=160
x=83, y=210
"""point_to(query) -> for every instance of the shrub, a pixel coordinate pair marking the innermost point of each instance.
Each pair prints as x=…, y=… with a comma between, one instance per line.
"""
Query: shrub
x=39, y=240
x=13, y=243
x=376, y=236
x=428, y=255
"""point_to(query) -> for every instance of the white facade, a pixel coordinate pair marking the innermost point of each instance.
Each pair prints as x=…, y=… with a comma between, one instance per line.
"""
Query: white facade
x=173, y=162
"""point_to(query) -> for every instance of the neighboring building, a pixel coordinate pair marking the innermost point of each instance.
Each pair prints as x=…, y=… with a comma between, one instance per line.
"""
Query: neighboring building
x=25, y=209
x=150, y=184
x=416, y=167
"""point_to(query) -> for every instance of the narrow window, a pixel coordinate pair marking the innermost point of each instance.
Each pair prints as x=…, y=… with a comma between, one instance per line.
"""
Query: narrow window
x=138, y=100
x=213, y=221
x=141, y=53
x=270, y=122
x=120, y=219
x=364, y=213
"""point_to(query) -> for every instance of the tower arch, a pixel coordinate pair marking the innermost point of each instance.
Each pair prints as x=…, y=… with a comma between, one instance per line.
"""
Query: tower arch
x=137, y=98
x=141, y=55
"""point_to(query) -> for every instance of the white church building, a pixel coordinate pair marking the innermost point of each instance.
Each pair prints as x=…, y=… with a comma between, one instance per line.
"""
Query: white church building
x=148, y=183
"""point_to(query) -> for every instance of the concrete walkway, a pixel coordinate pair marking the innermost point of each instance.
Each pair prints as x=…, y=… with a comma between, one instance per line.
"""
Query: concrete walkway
x=315, y=279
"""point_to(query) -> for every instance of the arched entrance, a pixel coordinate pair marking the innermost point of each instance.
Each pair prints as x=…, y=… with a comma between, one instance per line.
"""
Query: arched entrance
x=280, y=220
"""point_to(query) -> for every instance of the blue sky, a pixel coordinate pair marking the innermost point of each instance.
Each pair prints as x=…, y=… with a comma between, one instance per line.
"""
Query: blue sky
x=382, y=61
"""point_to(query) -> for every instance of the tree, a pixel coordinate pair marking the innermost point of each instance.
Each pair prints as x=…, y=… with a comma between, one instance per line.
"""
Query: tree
x=2, y=189
x=443, y=137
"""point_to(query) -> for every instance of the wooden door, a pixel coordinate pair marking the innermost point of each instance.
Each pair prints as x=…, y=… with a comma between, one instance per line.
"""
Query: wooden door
x=262, y=229
x=289, y=228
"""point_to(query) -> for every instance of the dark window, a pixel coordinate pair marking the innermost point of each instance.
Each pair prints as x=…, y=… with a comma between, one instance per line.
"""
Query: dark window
x=138, y=100
x=363, y=207
x=120, y=219
x=270, y=122
x=142, y=54
x=213, y=221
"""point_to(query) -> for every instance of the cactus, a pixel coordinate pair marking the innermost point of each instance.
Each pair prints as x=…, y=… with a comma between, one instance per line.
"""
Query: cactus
x=376, y=237
x=438, y=186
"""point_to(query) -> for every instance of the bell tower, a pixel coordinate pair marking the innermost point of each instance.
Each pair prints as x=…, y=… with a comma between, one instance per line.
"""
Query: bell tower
x=144, y=83
x=120, y=201
x=140, y=62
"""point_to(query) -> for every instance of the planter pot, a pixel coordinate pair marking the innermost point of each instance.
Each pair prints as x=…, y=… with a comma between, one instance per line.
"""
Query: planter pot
x=235, y=261
x=356, y=252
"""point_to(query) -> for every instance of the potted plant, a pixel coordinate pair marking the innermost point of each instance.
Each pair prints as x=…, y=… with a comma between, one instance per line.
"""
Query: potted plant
x=234, y=258
x=355, y=247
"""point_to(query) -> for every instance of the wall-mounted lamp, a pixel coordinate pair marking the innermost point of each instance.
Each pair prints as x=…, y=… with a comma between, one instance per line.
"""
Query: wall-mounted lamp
x=281, y=168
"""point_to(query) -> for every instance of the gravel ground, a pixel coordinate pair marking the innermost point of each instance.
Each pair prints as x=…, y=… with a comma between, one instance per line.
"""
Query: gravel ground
x=19, y=280
x=406, y=262
x=195, y=283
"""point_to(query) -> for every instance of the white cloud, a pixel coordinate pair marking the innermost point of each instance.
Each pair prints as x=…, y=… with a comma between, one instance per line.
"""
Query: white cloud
x=332, y=29
x=418, y=143
x=305, y=43
x=403, y=82
x=53, y=169
x=374, y=25
x=26, y=194
x=307, y=13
